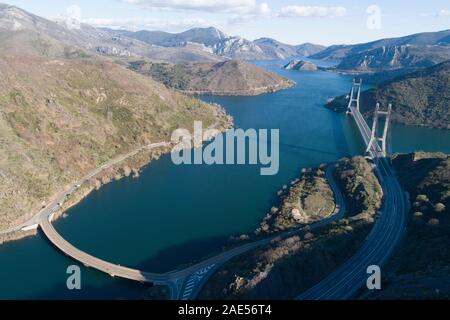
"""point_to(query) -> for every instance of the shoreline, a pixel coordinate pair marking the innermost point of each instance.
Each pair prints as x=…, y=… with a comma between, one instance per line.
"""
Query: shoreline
x=244, y=93
x=108, y=175
x=128, y=167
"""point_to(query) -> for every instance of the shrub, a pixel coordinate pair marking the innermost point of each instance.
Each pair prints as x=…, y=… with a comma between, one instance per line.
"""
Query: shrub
x=422, y=198
x=439, y=207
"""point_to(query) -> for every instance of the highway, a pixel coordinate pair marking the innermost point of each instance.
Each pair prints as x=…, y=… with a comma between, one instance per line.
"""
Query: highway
x=348, y=279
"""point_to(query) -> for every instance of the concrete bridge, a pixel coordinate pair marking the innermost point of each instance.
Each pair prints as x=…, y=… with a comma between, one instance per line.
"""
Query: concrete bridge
x=184, y=284
x=370, y=136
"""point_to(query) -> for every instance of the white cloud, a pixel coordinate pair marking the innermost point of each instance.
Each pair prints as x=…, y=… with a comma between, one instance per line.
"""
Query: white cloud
x=264, y=9
x=444, y=13
x=239, y=11
x=260, y=11
x=150, y=24
x=312, y=11
x=234, y=6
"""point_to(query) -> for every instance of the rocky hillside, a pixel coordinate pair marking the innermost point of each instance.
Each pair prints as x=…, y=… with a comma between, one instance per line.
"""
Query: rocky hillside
x=223, y=78
x=301, y=65
x=338, y=52
x=61, y=118
x=287, y=267
x=277, y=50
x=207, y=36
x=420, y=99
x=387, y=58
x=15, y=24
x=307, y=200
x=215, y=41
x=421, y=267
x=199, y=44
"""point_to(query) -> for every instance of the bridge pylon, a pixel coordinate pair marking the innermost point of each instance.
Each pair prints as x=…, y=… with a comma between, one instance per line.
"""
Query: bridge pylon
x=355, y=95
x=375, y=137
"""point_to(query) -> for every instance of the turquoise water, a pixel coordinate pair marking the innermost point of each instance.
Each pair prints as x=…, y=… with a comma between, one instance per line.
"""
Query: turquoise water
x=173, y=215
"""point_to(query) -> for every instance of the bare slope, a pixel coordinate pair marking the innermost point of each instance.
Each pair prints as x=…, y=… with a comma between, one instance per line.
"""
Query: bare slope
x=215, y=41
x=388, y=58
x=15, y=22
x=223, y=78
x=338, y=52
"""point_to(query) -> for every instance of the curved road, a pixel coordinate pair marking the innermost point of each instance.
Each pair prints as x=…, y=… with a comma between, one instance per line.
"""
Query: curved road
x=338, y=214
x=174, y=277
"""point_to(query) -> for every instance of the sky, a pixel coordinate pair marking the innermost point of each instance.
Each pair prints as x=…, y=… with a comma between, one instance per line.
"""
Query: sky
x=324, y=22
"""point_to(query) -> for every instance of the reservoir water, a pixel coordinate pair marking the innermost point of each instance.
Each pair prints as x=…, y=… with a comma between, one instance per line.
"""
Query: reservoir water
x=173, y=215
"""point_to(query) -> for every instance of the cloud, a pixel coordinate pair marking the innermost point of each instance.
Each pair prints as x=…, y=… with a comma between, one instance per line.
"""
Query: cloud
x=260, y=11
x=444, y=13
x=238, y=11
x=233, y=6
x=312, y=11
x=264, y=9
x=150, y=24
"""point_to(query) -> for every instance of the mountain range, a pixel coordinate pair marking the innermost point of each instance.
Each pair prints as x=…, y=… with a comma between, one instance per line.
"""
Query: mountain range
x=278, y=50
x=338, y=52
x=198, y=44
x=394, y=57
x=386, y=59
x=19, y=28
x=214, y=41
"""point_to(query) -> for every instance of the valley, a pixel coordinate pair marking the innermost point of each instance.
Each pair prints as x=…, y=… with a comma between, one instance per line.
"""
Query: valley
x=228, y=78
x=88, y=116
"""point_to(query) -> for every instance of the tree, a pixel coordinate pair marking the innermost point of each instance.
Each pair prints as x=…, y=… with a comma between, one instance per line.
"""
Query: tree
x=422, y=198
x=439, y=207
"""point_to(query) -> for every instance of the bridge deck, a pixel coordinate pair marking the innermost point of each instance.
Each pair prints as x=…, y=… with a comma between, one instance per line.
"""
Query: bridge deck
x=365, y=131
x=91, y=261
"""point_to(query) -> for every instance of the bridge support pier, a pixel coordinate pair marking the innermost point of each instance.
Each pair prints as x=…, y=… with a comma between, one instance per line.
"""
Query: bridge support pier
x=375, y=138
x=354, y=100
